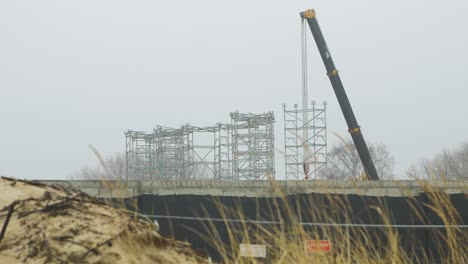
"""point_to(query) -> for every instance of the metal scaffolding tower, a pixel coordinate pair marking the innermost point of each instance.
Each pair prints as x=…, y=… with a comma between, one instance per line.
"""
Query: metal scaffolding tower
x=243, y=149
x=225, y=152
x=304, y=157
x=172, y=153
x=253, y=145
x=140, y=155
x=203, y=152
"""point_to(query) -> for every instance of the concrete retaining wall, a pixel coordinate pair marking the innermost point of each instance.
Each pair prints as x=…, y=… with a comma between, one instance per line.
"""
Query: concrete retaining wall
x=261, y=188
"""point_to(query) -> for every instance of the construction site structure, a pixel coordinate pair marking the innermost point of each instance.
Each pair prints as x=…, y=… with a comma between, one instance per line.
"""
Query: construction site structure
x=172, y=153
x=253, y=146
x=305, y=155
x=140, y=154
x=243, y=150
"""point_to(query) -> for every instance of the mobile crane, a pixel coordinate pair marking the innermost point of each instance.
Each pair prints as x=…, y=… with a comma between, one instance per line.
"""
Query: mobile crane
x=332, y=72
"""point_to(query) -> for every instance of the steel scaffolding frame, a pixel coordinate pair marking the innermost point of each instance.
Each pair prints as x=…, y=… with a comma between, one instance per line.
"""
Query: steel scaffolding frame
x=304, y=157
x=172, y=153
x=203, y=157
x=253, y=145
x=225, y=152
x=140, y=154
x=243, y=149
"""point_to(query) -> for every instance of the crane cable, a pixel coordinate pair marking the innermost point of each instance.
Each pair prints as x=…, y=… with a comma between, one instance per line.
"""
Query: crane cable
x=305, y=117
x=304, y=63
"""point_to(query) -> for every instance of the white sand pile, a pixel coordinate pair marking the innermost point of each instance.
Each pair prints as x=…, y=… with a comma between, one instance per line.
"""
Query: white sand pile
x=51, y=224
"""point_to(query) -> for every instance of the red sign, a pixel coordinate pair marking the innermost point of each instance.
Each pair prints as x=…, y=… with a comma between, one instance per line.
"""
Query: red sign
x=317, y=246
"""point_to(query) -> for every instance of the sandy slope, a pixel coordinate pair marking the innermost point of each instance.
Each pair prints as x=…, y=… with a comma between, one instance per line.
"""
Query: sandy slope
x=51, y=224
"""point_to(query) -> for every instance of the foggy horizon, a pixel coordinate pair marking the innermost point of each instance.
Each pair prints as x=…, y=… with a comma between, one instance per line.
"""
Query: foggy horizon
x=74, y=74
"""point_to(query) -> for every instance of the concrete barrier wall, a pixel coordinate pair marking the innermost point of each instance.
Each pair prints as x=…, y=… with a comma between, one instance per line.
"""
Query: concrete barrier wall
x=261, y=188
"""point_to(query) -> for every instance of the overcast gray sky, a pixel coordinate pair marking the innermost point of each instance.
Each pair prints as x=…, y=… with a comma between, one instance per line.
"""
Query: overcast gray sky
x=74, y=73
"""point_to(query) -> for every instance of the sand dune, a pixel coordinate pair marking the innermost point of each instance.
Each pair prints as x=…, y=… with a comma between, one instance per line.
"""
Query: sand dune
x=51, y=224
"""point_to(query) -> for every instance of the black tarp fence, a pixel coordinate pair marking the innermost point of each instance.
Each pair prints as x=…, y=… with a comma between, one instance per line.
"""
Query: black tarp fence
x=281, y=213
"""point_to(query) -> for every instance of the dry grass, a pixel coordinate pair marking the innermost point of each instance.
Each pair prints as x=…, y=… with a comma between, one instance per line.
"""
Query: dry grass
x=285, y=244
x=349, y=244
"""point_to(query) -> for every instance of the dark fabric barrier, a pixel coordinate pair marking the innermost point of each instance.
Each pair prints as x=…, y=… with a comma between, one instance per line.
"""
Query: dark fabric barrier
x=352, y=209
